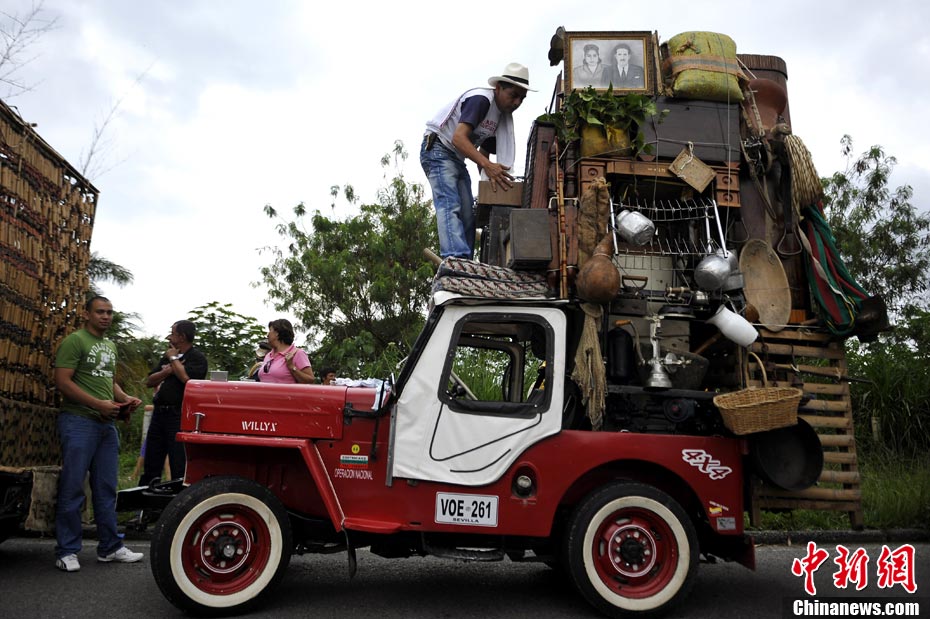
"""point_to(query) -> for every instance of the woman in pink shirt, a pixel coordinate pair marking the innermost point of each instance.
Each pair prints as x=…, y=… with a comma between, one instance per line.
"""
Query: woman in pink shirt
x=284, y=363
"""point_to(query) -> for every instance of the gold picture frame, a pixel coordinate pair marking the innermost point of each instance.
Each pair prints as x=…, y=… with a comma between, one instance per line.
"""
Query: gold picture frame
x=625, y=60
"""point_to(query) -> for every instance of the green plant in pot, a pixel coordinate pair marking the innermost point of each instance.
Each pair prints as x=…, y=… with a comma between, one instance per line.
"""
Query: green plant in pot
x=604, y=122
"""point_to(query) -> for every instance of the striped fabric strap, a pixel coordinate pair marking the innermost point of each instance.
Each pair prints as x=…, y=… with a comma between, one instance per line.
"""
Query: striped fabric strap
x=676, y=64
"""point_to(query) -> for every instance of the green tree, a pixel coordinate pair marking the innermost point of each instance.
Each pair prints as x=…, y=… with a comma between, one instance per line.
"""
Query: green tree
x=883, y=238
x=99, y=269
x=227, y=338
x=885, y=244
x=358, y=286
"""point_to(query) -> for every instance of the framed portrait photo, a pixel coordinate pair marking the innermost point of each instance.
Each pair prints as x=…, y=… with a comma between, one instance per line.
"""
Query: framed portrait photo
x=625, y=60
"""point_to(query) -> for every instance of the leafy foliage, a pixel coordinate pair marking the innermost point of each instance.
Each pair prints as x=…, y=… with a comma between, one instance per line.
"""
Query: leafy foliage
x=885, y=243
x=99, y=269
x=227, y=338
x=896, y=398
x=358, y=285
x=883, y=238
x=588, y=107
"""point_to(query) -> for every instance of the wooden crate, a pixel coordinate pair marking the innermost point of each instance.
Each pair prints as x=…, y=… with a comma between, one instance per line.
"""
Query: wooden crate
x=829, y=411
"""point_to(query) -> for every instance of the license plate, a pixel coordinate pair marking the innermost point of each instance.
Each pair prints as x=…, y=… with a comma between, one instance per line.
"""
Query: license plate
x=466, y=509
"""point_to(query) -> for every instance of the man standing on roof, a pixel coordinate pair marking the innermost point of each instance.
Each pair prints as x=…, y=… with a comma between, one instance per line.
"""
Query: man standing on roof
x=477, y=123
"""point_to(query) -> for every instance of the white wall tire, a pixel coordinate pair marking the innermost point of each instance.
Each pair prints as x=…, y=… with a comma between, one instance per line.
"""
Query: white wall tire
x=631, y=550
x=220, y=546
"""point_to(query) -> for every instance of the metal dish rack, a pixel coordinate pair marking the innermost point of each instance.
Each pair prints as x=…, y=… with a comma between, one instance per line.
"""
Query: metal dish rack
x=685, y=233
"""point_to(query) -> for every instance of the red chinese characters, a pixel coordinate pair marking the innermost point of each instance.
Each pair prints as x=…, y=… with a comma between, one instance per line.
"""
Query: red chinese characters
x=894, y=567
x=852, y=568
x=808, y=565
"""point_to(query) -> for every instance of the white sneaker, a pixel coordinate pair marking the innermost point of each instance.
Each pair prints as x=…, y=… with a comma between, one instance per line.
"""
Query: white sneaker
x=122, y=555
x=68, y=563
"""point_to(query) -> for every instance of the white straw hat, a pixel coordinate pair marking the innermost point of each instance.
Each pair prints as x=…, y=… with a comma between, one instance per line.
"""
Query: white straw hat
x=514, y=73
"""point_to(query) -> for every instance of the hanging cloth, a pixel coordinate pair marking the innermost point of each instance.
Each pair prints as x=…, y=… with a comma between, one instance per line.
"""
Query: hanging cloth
x=835, y=292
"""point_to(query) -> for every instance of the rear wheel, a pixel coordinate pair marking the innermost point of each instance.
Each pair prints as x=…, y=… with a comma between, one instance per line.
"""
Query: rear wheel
x=631, y=549
x=221, y=546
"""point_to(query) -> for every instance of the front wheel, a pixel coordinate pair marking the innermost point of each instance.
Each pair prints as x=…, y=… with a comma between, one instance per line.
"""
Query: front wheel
x=631, y=550
x=221, y=546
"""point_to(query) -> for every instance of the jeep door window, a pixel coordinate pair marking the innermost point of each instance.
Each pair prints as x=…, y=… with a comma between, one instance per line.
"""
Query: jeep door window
x=498, y=365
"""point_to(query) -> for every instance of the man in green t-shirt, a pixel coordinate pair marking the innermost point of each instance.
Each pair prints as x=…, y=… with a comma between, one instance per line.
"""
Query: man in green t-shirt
x=85, y=367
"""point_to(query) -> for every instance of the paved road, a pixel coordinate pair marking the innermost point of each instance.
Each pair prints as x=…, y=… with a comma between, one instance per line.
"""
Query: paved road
x=317, y=586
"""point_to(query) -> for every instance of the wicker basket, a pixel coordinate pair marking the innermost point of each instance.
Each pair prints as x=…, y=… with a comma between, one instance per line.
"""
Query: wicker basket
x=758, y=409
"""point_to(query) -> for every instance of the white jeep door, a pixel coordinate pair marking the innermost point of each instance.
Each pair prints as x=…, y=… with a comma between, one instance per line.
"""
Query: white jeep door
x=488, y=384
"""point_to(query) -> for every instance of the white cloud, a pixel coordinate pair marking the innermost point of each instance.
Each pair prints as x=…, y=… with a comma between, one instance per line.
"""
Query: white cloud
x=244, y=104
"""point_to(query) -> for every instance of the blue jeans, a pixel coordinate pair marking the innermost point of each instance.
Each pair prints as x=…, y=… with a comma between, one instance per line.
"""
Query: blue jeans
x=87, y=445
x=452, y=199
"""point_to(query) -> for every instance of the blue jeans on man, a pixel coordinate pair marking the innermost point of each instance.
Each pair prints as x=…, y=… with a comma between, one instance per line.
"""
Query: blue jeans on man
x=87, y=445
x=452, y=199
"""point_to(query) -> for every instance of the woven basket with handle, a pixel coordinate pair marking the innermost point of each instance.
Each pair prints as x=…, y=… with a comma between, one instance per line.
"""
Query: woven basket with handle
x=757, y=409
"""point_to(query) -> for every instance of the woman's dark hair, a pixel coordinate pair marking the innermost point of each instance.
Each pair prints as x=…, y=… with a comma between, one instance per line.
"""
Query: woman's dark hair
x=284, y=330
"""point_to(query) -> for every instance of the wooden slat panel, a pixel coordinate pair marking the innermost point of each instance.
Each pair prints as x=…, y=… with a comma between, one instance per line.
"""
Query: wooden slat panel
x=840, y=477
x=835, y=457
x=826, y=388
x=837, y=440
x=840, y=506
x=829, y=411
x=794, y=335
x=799, y=351
x=819, y=421
x=827, y=405
x=836, y=494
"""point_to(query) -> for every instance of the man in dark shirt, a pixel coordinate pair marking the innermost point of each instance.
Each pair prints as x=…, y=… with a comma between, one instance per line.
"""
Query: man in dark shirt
x=181, y=363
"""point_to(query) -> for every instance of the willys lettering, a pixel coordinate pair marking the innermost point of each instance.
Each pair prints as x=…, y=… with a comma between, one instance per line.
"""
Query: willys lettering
x=260, y=426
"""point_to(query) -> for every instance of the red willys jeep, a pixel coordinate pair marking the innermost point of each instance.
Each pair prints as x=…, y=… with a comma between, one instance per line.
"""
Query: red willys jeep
x=441, y=463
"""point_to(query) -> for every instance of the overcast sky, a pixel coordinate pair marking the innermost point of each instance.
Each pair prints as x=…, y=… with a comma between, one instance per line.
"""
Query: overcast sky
x=226, y=106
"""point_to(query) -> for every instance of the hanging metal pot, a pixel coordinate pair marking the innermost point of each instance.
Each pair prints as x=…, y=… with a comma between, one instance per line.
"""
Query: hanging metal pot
x=712, y=272
x=635, y=228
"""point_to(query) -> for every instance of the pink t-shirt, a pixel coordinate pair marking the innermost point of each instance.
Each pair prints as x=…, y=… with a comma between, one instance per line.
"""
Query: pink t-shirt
x=276, y=365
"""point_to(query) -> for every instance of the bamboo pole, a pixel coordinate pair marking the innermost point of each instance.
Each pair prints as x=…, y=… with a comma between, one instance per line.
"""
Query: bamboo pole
x=563, y=250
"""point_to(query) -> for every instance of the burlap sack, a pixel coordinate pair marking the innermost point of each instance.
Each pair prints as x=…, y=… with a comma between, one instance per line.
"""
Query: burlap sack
x=703, y=65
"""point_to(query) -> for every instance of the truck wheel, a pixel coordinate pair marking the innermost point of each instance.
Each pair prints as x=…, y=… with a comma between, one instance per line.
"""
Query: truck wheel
x=221, y=546
x=631, y=549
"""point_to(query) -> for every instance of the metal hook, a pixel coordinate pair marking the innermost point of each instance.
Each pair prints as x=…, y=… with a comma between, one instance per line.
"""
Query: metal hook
x=797, y=241
x=732, y=226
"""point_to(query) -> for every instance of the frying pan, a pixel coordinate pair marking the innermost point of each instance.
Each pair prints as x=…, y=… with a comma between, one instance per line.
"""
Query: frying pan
x=790, y=458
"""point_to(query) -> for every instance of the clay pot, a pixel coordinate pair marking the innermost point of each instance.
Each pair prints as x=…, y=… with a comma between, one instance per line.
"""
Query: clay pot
x=599, y=280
